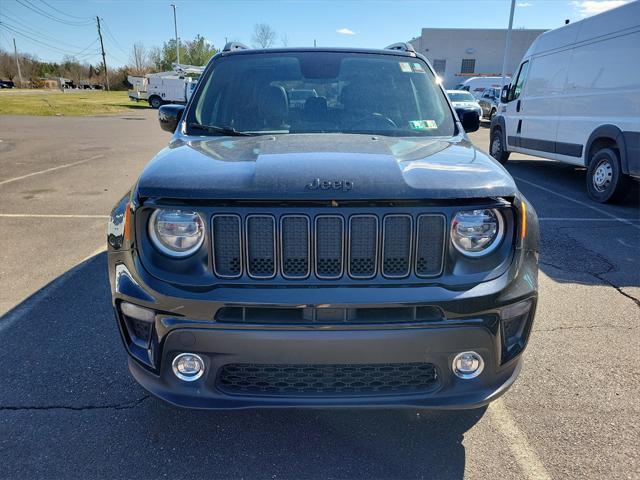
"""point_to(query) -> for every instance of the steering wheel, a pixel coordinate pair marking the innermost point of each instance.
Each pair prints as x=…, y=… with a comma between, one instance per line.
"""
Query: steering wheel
x=373, y=120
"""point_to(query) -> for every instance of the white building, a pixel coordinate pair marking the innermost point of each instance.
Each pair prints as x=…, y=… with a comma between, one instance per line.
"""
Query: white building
x=460, y=53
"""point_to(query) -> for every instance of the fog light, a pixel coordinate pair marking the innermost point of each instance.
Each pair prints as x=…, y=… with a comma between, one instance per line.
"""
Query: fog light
x=467, y=365
x=188, y=367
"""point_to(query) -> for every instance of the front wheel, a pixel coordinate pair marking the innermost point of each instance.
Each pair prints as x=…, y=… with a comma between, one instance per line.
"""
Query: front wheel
x=492, y=113
x=155, y=102
x=497, y=149
x=605, y=180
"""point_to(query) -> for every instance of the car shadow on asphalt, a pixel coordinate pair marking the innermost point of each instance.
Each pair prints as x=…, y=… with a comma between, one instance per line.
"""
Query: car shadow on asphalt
x=73, y=381
x=581, y=241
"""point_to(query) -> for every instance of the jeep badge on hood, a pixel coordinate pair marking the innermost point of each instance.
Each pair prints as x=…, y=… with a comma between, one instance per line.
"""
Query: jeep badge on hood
x=316, y=184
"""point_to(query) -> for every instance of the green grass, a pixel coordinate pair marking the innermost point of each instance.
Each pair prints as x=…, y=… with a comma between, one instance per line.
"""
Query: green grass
x=73, y=103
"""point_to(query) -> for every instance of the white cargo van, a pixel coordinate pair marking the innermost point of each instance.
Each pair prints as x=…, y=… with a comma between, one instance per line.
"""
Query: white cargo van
x=476, y=86
x=576, y=99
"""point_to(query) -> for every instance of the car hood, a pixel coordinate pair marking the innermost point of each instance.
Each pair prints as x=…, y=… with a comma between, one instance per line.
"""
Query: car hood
x=323, y=167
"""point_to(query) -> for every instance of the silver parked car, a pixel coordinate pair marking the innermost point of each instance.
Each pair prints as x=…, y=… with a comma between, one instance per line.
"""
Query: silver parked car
x=489, y=102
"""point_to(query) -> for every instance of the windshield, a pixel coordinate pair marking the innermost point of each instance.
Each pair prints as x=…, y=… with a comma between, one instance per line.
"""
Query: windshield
x=320, y=92
x=461, y=97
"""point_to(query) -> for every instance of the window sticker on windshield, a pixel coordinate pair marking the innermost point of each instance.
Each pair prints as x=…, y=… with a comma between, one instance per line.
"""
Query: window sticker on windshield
x=423, y=124
x=405, y=67
x=417, y=67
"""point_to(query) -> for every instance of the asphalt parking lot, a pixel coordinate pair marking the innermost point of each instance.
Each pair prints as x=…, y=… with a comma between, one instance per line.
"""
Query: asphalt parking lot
x=69, y=409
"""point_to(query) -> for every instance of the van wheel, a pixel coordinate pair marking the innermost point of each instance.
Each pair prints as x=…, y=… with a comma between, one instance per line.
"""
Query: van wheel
x=605, y=180
x=155, y=102
x=497, y=147
x=492, y=114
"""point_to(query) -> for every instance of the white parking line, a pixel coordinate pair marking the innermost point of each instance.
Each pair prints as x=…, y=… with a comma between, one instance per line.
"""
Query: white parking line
x=15, y=179
x=595, y=209
x=53, y=215
x=524, y=454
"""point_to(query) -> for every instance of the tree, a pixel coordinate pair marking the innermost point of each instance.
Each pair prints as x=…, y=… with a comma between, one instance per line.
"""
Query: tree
x=284, y=40
x=163, y=57
x=263, y=35
x=139, y=59
x=192, y=52
x=199, y=51
x=8, y=67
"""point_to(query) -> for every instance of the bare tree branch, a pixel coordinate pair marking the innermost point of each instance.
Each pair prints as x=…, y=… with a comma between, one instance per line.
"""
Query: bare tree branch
x=263, y=35
x=139, y=58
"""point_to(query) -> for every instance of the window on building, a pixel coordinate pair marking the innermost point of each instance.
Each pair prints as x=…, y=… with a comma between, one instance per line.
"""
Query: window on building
x=439, y=66
x=468, y=65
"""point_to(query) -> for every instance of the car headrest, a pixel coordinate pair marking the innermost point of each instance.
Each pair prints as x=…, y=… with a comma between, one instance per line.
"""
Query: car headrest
x=315, y=105
x=352, y=97
x=274, y=103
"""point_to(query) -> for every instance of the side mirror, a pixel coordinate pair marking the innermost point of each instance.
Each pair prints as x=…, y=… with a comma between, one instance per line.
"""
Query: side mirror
x=169, y=116
x=470, y=122
x=504, y=95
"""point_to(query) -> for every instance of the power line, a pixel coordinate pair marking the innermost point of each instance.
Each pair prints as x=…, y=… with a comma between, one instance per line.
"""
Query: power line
x=108, y=30
x=41, y=43
x=45, y=14
x=38, y=33
x=44, y=40
x=65, y=13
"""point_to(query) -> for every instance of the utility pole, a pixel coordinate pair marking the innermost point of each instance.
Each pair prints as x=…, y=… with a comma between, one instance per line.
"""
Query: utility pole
x=104, y=61
x=15, y=51
x=175, y=28
x=507, y=45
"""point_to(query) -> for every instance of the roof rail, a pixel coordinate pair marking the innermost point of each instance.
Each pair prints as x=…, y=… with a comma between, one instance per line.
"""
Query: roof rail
x=234, y=46
x=403, y=46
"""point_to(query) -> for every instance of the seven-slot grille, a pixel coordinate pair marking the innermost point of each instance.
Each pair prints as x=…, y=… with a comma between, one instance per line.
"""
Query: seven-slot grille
x=328, y=247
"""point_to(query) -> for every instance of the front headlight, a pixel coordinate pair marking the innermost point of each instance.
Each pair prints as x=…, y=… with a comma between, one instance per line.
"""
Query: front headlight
x=476, y=233
x=176, y=233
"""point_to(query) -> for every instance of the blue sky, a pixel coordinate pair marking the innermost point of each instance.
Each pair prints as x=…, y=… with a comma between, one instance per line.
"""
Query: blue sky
x=69, y=25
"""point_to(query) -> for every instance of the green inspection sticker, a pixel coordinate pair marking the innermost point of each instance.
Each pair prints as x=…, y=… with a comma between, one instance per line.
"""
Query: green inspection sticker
x=423, y=124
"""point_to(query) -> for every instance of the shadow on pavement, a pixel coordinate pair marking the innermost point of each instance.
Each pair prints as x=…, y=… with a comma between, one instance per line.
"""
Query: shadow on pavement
x=69, y=408
x=581, y=240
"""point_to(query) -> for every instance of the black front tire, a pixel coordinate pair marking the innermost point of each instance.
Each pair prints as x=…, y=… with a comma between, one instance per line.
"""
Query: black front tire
x=497, y=147
x=155, y=102
x=605, y=180
x=492, y=113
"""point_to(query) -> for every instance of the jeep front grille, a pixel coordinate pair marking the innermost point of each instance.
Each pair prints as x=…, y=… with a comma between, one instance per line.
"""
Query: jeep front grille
x=360, y=246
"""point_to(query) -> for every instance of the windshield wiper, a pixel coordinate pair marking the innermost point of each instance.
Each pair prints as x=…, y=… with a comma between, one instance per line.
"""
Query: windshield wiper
x=222, y=130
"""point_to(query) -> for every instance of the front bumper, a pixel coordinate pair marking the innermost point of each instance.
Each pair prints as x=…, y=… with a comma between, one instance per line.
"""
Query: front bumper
x=229, y=346
x=183, y=322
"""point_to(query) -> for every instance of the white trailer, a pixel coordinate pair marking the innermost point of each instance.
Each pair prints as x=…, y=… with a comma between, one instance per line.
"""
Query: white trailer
x=165, y=87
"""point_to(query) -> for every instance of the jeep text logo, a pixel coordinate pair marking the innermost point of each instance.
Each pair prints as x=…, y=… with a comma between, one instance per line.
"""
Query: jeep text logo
x=318, y=184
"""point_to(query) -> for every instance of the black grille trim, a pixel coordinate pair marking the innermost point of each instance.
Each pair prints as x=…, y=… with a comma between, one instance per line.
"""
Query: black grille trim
x=443, y=247
x=213, y=243
x=283, y=256
x=320, y=380
x=329, y=315
x=342, y=248
x=248, y=246
x=408, y=261
x=375, y=256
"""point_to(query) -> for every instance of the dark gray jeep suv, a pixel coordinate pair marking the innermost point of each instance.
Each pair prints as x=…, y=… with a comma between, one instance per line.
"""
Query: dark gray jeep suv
x=351, y=248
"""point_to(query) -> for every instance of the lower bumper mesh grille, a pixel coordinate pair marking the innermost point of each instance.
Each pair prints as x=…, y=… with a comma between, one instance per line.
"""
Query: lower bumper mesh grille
x=326, y=380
